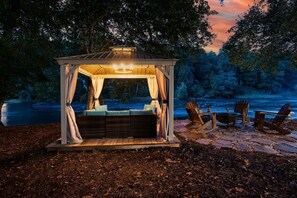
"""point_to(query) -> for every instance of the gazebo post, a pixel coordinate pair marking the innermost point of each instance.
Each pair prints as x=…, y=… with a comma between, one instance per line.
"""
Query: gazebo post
x=171, y=102
x=63, y=103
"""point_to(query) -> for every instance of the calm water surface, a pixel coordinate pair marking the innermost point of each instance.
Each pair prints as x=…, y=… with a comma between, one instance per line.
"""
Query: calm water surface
x=27, y=113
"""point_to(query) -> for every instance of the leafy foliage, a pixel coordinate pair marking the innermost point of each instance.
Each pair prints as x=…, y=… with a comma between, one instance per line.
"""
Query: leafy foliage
x=33, y=32
x=265, y=35
x=124, y=89
x=210, y=75
x=28, y=42
x=182, y=91
x=162, y=26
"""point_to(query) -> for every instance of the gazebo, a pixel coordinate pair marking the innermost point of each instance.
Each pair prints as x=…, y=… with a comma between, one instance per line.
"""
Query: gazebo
x=119, y=62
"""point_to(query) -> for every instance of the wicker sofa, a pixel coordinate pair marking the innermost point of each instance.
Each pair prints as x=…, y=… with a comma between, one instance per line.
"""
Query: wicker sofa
x=118, y=124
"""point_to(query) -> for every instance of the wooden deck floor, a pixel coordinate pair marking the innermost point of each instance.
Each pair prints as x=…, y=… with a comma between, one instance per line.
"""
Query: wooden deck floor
x=112, y=144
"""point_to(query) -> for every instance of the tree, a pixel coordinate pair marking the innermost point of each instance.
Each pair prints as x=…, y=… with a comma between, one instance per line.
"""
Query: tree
x=47, y=89
x=162, y=26
x=265, y=35
x=222, y=80
x=27, y=43
x=197, y=90
x=182, y=91
x=185, y=75
x=33, y=32
x=86, y=24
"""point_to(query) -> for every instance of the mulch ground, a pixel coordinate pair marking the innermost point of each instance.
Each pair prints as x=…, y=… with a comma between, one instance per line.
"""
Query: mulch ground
x=193, y=170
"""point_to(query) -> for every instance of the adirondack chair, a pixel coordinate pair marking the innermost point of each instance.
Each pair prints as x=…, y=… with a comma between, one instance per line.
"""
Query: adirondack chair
x=193, y=105
x=276, y=124
x=242, y=107
x=200, y=121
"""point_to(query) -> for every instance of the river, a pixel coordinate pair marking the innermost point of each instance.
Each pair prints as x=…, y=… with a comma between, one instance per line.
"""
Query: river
x=28, y=113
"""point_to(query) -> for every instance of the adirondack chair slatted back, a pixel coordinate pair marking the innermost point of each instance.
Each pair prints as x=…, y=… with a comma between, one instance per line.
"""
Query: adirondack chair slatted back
x=242, y=107
x=282, y=115
x=192, y=104
x=193, y=112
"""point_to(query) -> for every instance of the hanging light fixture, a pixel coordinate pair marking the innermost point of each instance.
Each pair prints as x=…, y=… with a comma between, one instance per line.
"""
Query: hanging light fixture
x=123, y=69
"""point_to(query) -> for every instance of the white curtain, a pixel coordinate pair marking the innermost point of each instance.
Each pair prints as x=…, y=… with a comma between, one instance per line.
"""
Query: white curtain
x=73, y=135
x=97, y=83
x=153, y=88
x=163, y=88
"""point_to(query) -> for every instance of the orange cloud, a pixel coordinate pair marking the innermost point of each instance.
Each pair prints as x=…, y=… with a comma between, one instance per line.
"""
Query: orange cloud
x=225, y=19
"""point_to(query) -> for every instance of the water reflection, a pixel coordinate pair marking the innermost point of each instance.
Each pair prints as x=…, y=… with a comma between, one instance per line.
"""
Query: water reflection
x=27, y=113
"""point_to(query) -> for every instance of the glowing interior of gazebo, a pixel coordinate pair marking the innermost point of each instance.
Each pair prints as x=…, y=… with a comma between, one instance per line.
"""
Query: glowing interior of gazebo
x=117, y=63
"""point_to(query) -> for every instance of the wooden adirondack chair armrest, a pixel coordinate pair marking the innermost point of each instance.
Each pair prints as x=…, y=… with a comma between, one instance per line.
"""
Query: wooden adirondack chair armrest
x=205, y=113
x=210, y=114
x=276, y=113
x=282, y=115
x=267, y=112
x=273, y=114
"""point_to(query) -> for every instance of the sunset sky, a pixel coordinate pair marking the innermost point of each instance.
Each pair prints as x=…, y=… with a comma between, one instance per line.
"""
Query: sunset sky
x=221, y=23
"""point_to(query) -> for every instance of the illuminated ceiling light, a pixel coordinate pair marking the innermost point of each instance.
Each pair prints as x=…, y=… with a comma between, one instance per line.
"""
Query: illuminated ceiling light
x=130, y=66
x=123, y=69
x=115, y=67
x=123, y=49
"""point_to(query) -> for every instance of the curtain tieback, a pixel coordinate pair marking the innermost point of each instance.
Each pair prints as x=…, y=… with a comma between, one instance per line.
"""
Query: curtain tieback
x=164, y=101
x=68, y=104
x=96, y=98
x=154, y=98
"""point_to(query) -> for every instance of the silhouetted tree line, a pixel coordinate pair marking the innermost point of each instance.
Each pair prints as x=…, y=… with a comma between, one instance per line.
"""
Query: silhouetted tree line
x=211, y=75
x=34, y=32
x=265, y=35
x=198, y=75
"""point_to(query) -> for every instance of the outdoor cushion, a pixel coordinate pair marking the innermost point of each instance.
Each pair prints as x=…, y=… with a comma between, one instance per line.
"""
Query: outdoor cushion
x=101, y=108
x=124, y=112
x=85, y=112
x=95, y=113
x=150, y=107
x=140, y=112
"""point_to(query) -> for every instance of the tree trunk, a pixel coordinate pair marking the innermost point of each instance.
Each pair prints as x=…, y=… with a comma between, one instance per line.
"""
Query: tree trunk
x=91, y=40
x=85, y=42
x=137, y=88
x=1, y=104
x=90, y=104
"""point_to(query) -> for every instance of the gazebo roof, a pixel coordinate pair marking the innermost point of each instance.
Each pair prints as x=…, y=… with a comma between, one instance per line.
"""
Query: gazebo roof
x=117, y=55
